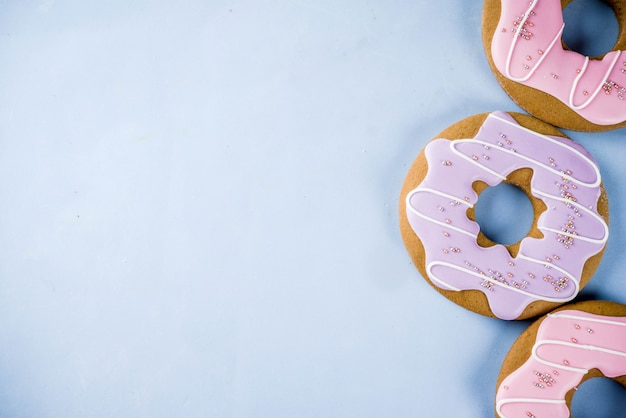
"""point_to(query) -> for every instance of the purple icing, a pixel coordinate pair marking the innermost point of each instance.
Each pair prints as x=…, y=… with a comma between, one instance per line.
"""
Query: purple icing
x=565, y=178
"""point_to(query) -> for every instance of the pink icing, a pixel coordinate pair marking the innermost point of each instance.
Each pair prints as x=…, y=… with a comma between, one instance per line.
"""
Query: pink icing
x=527, y=48
x=569, y=343
x=564, y=177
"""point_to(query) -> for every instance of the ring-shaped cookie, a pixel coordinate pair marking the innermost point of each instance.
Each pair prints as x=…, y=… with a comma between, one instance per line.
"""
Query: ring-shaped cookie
x=523, y=43
x=556, y=354
x=563, y=248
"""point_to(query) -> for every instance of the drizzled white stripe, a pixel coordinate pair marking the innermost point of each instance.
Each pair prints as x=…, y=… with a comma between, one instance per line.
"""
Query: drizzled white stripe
x=434, y=278
x=601, y=221
x=588, y=319
x=509, y=59
x=580, y=155
x=453, y=145
x=597, y=90
x=442, y=194
x=503, y=402
x=551, y=265
x=539, y=343
x=428, y=218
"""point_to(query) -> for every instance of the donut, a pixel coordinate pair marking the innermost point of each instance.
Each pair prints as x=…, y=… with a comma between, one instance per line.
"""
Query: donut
x=559, y=352
x=522, y=41
x=564, y=246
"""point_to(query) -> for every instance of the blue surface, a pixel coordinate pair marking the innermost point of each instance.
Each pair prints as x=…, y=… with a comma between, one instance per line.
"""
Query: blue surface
x=199, y=210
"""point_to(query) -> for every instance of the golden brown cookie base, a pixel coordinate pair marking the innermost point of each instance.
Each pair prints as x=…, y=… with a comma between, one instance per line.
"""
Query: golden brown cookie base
x=521, y=349
x=475, y=300
x=539, y=104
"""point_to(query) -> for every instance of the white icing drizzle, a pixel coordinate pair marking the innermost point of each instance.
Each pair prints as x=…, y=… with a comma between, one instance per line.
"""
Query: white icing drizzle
x=539, y=343
x=579, y=207
x=597, y=90
x=509, y=59
x=587, y=319
x=588, y=347
x=453, y=145
x=502, y=285
x=428, y=218
x=503, y=402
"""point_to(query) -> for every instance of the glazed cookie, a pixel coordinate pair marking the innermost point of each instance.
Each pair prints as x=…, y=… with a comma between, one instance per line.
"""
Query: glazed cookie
x=565, y=243
x=522, y=40
x=556, y=354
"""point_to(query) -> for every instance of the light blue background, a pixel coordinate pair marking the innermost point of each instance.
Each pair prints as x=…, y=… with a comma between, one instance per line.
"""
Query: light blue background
x=198, y=210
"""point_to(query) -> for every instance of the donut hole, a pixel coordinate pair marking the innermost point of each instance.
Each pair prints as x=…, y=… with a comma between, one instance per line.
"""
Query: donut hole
x=591, y=27
x=504, y=213
x=599, y=397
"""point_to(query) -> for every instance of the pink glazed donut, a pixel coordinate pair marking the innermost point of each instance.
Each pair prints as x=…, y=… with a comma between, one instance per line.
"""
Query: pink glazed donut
x=522, y=39
x=559, y=352
x=546, y=268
